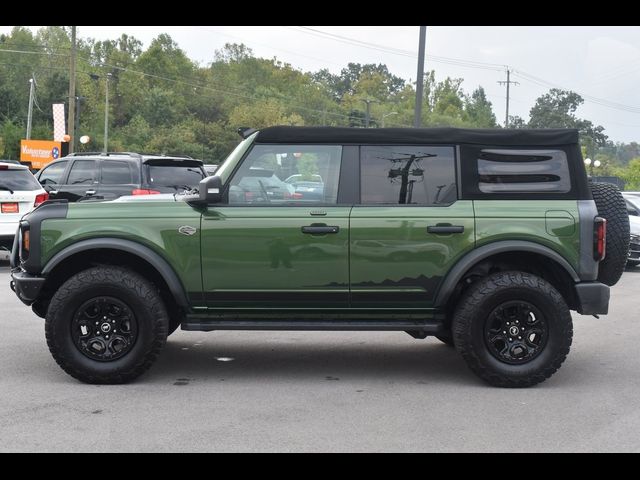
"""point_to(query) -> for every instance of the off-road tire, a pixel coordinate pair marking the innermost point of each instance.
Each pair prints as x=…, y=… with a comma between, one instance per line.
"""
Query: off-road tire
x=473, y=312
x=611, y=205
x=143, y=299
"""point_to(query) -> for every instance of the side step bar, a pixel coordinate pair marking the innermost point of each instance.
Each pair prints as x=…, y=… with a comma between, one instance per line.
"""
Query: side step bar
x=431, y=328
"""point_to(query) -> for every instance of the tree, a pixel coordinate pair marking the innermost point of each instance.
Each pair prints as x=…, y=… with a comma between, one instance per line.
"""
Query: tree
x=479, y=110
x=557, y=108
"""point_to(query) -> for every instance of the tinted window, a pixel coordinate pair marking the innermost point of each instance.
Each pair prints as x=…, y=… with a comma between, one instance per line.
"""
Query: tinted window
x=117, y=173
x=518, y=171
x=285, y=174
x=52, y=175
x=82, y=172
x=175, y=177
x=408, y=175
x=18, y=180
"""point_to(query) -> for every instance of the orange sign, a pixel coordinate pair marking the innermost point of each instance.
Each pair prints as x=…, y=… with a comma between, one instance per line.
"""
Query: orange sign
x=39, y=152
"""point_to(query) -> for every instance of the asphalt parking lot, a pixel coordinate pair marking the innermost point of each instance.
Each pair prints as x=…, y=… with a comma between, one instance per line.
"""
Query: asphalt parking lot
x=298, y=391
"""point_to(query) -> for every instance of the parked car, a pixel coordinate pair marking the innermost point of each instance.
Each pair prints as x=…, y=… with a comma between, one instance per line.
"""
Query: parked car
x=309, y=187
x=486, y=239
x=86, y=177
x=632, y=201
x=20, y=193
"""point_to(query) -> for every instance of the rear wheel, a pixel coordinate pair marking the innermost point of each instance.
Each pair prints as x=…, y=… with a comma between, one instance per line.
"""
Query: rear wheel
x=611, y=205
x=106, y=325
x=513, y=329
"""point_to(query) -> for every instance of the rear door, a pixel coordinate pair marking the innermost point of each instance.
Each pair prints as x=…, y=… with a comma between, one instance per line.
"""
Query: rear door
x=409, y=229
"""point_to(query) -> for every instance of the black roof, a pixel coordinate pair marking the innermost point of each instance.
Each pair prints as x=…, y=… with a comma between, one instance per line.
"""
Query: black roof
x=417, y=136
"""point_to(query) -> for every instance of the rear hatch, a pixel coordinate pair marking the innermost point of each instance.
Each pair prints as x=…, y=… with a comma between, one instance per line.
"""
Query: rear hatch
x=18, y=191
x=171, y=175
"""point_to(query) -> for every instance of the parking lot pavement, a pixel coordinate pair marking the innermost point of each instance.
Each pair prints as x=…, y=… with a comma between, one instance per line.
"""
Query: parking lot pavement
x=322, y=391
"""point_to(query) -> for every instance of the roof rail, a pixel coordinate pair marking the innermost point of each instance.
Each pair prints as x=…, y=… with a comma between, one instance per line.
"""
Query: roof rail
x=108, y=154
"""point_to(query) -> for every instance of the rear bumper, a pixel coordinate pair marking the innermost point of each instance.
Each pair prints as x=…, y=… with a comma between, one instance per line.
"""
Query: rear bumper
x=593, y=298
x=27, y=287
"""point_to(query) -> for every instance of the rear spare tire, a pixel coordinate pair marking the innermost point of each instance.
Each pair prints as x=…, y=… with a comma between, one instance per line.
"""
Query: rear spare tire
x=612, y=207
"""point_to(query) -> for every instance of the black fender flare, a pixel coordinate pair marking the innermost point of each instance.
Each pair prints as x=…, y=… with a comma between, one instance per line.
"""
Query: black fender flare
x=145, y=253
x=470, y=259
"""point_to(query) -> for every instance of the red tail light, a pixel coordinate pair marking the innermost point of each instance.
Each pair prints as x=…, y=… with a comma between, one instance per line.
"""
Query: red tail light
x=293, y=196
x=144, y=191
x=600, y=239
x=40, y=199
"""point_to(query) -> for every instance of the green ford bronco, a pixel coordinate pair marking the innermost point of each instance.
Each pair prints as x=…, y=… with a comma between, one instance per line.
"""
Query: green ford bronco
x=485, y=239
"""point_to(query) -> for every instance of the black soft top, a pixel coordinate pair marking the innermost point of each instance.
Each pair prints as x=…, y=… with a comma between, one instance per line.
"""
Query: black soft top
x=418, y=136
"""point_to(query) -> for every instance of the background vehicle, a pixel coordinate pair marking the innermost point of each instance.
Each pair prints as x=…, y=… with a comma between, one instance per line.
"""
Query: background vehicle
x=82, y=176
x=310, y=187
x=210, y=169
x=486, y=239
x=632, y=201
x=19, y=194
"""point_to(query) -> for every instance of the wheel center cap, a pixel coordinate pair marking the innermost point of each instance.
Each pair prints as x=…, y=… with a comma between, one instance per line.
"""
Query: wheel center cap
x=514, y=331
x=105, y=327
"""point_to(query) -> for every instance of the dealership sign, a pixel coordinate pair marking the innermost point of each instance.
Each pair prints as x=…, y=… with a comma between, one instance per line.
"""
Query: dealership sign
x=39, y=152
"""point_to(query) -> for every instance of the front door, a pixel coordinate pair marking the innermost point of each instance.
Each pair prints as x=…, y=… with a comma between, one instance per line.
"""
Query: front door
x=82, y=182
x=409, y=228
x=281, y=241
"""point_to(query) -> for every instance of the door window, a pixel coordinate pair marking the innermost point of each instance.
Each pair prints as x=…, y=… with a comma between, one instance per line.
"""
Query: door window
x=52, y=175
x=408, y=175
x=83, y=172
x=287, y=174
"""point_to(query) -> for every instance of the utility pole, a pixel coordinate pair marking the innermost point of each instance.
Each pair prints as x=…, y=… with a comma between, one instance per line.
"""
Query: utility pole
x=367, y=118
x=420, y=79
x=72, y=92
x=32, y=82
x=508, y=84
x=106, y=113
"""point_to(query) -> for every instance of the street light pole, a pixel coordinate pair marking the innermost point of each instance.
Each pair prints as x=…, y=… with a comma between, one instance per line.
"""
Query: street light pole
x=106, y=114
x=387, y=115
x=367, y=118
x=30, y=112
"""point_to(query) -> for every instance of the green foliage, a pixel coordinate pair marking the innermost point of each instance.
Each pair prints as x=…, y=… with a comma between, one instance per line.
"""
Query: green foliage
x=161, y=101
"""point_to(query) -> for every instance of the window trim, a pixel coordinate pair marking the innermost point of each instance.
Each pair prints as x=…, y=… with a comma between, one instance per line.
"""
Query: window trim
x=455, y=151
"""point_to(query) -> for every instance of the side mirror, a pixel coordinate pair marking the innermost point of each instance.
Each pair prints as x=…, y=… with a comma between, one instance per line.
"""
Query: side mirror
x=210, y=191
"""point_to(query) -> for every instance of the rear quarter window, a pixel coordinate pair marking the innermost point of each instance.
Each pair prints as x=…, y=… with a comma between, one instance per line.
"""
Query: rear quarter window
x=499, y=173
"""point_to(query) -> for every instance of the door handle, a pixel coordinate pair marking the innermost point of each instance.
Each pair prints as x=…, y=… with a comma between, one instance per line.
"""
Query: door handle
x=53, y=192
x=90, y=192
x=442, y=228
x=320, y=229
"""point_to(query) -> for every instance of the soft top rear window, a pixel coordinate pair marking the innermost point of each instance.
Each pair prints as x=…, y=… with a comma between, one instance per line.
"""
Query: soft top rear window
x=18, y=180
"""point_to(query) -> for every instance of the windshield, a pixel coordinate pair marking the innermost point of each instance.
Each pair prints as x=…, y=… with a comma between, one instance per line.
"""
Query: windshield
x=231, y=161
x=176, y=177
x=18, y=180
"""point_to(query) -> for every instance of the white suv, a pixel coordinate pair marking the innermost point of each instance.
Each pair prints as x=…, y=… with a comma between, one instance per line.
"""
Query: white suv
x=20, y=193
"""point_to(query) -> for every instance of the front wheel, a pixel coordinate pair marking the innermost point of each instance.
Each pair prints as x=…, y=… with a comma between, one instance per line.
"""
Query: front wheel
x=513, y=329
x=106, y=325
